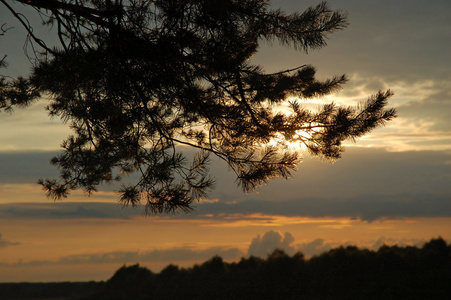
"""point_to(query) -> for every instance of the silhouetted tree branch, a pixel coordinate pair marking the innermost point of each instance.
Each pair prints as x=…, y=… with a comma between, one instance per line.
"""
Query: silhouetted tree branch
x=137, y=80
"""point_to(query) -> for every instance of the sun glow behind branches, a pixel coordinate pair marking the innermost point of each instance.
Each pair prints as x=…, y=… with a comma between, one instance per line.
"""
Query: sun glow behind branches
x=296, y=142
x=293, y=144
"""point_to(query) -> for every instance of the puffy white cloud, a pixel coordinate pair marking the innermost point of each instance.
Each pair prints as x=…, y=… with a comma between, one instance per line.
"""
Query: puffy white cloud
x=263, y=245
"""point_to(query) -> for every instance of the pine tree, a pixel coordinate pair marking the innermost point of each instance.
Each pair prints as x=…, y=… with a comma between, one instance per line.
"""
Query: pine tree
x=138, y=81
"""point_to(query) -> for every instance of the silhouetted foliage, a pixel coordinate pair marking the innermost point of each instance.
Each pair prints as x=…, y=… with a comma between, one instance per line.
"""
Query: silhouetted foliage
x=139, y=80
x=392, y=272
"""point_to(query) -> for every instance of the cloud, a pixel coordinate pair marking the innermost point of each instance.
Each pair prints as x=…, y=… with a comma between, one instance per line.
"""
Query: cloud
x=320, y=245
x=271, y=240
x=369, y=184
x=263, y=245
x=68, y=210
x=26, y=166
x=407, y=42
x=405, y=49
x=365, y=207
x=432, y=108
x=314, y=247
x=399, y=242
x=401, y=48
x=366, y=183
x=259, y=246
x=170, y=255
x=5, y=243
x=179, y=254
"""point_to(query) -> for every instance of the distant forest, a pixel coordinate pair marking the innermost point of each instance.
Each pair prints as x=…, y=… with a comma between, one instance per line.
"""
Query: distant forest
x=391, y=272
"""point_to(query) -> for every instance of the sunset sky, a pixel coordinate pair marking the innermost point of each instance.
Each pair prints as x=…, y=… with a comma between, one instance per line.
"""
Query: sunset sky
x=392, y=186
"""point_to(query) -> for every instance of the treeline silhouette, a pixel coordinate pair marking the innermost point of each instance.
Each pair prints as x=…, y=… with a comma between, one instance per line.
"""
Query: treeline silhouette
x=48, y=291
x=391, y=272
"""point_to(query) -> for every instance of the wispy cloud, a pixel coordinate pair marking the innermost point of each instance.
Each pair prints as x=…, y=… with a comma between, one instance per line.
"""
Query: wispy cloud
x=6, y=243
x=67, y=210
x=126, y=257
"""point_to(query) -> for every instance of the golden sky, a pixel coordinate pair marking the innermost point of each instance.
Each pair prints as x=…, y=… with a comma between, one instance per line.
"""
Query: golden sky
x=392, y=186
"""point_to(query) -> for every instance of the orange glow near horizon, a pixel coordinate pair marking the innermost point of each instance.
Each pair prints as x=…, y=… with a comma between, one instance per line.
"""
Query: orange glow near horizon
x=44, y=244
